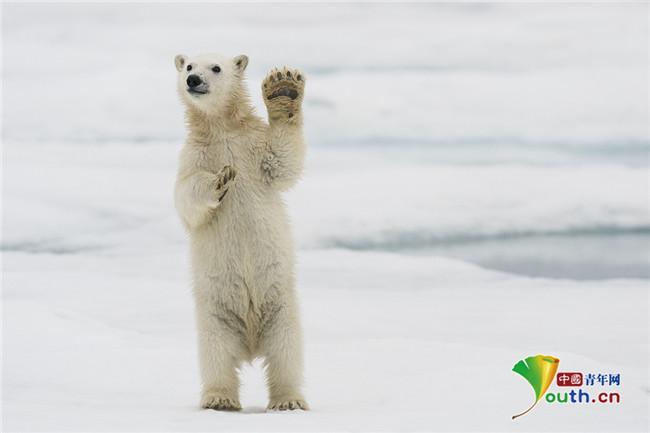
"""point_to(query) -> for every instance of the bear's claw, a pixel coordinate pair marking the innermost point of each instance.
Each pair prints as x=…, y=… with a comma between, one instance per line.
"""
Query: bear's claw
x=288, y=405
x=224, y=178
x=221, y=403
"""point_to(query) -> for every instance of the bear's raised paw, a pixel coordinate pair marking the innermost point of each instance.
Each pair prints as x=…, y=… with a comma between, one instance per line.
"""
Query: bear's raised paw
x=283, y=91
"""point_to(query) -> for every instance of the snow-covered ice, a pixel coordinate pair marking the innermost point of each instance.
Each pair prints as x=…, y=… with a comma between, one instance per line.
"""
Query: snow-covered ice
x=393, y=344
x=476, y=192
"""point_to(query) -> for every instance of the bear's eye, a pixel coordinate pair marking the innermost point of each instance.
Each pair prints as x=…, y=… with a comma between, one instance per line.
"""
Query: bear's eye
x=189, y=68
x=216, y=69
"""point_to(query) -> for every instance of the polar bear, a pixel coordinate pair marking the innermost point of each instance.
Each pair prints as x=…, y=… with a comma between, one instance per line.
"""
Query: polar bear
x=231, y=172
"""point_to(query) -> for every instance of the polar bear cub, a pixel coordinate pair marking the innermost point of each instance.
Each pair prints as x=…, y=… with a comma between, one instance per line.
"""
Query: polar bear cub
x=231, y=172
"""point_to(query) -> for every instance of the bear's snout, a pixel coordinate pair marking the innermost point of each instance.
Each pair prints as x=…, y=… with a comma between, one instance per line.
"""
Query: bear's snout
x=193, y=81
x=196, y=86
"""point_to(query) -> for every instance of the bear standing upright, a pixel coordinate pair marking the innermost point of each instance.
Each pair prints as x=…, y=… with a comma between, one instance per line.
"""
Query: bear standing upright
x=231, y=172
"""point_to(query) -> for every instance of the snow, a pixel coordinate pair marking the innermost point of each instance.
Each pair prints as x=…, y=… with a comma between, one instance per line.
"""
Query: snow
x=476, y=192
x=106, y=343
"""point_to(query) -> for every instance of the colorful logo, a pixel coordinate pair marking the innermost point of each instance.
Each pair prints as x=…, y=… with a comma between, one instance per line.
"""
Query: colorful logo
x=591, y=382
x=539, y=371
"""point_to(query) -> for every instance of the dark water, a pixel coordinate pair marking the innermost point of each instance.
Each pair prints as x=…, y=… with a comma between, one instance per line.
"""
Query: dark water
x=579, y=256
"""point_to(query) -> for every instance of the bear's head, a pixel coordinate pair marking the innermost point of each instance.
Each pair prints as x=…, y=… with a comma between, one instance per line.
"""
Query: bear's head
x=210, y=82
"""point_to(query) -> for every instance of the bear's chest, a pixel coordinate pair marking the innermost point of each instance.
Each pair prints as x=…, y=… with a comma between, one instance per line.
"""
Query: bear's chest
x=213, y=158
x=241, y=156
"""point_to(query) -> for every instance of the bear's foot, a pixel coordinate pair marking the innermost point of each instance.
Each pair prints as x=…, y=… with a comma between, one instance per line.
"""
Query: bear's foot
x=283, y=91
x=287, y=404
x=224, y=179
x=220, y=402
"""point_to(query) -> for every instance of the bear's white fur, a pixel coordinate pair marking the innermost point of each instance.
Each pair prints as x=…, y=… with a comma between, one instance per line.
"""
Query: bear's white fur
x=231, y=172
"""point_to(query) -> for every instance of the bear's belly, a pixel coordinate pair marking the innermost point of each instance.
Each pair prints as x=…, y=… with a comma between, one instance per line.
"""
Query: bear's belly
x=248, y=241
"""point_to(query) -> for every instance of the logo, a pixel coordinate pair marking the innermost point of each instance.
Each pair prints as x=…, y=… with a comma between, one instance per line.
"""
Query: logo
x=591, y=383
x=574, y=387
x=539, y=371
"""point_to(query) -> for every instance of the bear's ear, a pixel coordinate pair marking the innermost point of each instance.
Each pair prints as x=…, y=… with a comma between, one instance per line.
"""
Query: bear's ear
x=179, y=61
x=241, y=62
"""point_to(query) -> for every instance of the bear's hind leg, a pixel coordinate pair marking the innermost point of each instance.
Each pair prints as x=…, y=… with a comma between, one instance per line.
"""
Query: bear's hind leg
x=281, y=344
x=219, y=347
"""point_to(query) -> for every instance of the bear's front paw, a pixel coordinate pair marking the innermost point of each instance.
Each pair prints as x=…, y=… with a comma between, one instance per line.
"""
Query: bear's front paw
x=288, y=404
x=219, y=402
x=223, y=181
x=283, y=91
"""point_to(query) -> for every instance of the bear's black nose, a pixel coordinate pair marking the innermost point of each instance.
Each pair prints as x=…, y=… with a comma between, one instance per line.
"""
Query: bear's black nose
x=193, y=80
